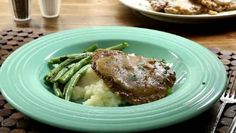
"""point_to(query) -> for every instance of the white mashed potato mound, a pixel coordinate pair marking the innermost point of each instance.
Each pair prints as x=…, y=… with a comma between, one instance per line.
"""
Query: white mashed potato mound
x=94, y=91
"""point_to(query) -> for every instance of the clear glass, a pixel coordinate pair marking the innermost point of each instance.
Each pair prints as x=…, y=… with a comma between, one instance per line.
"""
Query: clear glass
x=50, y=8
x=21, y=9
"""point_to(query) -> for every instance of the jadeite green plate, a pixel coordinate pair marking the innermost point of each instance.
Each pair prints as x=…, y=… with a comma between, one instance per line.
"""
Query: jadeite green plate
x=201, y=79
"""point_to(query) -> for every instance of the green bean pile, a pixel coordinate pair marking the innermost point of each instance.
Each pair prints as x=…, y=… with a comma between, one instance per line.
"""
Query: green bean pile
x=70, y=69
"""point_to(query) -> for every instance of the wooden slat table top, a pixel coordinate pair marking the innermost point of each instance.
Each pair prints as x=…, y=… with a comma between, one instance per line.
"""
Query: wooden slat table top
x=90, y=13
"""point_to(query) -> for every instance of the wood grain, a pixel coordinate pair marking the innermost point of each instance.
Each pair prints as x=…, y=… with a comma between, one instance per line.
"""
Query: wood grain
x=90, y=13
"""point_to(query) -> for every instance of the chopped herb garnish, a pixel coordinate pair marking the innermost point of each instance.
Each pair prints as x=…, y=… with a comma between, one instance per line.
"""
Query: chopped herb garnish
x=141, y=64
x=164, y=64
x=109, y=61
x=169, y=90
x=163, y=61
x=132, y=77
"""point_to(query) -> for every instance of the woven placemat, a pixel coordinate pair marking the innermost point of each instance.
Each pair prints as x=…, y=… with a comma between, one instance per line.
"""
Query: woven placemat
x=14, y=121
x=11, y=120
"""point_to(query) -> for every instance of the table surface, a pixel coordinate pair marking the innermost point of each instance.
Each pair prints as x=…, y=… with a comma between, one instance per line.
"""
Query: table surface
x=90, y=13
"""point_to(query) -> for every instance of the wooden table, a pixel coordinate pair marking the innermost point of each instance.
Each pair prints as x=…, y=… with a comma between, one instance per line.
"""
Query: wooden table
x=89, y=13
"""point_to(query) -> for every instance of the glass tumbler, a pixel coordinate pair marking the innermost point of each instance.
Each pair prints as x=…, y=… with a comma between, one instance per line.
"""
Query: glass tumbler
x=50, y=8
x=21, y=9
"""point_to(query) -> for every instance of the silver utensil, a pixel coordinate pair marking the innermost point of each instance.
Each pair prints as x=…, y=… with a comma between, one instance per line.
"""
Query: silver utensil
x=229, y=96
x=232, y=126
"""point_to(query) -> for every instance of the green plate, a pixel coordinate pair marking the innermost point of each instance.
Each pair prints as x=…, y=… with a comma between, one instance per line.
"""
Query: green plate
x=201, y=79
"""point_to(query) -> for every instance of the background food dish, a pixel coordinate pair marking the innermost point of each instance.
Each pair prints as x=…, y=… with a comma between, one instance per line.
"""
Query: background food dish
x=144, y=8
x=201, y=79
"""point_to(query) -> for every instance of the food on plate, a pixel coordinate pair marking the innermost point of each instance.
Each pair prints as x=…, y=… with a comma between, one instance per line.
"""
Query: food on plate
x=135, y=78
x=109, y=77
x=177, y=6
x=91, y=90
x=192, y=7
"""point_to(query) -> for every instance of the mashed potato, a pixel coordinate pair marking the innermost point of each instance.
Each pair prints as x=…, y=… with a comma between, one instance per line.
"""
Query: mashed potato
x=94, y=92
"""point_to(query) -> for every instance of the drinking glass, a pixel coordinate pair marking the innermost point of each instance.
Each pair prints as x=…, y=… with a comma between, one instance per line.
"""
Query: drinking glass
x=50, y=8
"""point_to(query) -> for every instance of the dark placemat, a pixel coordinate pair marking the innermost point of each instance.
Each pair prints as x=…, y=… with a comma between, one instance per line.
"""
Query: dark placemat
x=228, y=58
x=14, y=121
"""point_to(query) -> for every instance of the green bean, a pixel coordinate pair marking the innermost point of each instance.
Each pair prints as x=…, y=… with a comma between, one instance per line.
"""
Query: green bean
x=73, y=81
x=118, y=46
x=57, y=60
x=51, y=75
x=63, y=79
x=65, y=88
x=62, y=72
x=71, y=68
x=57, y=90
x=91, y=48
